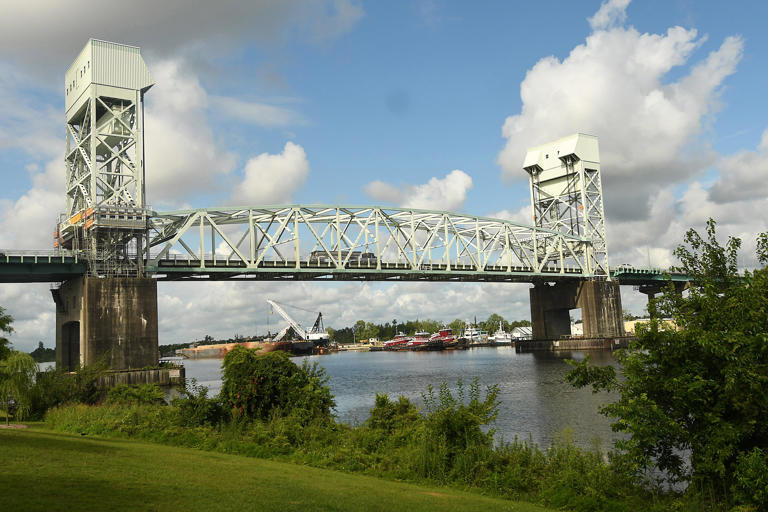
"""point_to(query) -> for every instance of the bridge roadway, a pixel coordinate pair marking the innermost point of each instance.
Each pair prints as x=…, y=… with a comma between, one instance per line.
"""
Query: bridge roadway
x=59, y=265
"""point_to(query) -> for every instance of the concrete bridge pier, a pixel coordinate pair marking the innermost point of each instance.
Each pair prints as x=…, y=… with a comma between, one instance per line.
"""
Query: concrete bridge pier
x=113, y=320
x=599, y=300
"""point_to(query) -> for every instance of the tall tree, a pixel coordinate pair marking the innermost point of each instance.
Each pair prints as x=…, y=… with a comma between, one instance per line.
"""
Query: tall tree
x=697, y=388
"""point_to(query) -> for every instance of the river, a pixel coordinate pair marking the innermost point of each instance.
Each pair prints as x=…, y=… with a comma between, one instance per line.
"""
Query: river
x=536, y=403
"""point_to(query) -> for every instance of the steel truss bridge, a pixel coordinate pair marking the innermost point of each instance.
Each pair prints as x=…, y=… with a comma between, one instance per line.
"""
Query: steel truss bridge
x=345, y=243
x=357, y=243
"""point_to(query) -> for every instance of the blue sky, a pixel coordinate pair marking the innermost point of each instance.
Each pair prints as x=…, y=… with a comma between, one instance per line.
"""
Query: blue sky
x=422, y=103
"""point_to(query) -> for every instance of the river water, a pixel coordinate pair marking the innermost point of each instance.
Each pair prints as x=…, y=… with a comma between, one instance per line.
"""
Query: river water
x=536, y=402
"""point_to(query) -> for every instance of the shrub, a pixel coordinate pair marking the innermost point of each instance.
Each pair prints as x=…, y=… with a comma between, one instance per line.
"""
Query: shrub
x=141, y=394
x=195, y=408
x=452, y=439
x=751, y=479
x=257, y=386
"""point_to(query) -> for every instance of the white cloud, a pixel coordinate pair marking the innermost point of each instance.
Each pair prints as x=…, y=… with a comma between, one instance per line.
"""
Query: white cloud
x=261, y=114
x=611, y=13
x=743, y=175
x=272, y=179
x=448, y=193
x=616, y=86
x=522, y=216
x=183, y=157
x=651, y=241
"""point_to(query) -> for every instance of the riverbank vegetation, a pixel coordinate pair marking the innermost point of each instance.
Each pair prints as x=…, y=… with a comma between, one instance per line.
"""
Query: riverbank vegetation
x=271, y=408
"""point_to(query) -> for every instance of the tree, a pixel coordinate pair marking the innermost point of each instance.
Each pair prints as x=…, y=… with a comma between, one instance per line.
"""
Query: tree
x=42, y=354
x=17, y=377
x=257, y=386
x=457, y=326
x=492, y=323
x=698, y=387
x=366, y=330
x=5, y=327
x=429, y=325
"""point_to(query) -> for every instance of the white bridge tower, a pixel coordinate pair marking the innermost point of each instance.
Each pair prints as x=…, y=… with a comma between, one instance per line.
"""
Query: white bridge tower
x=567, y=194
x=106, y=214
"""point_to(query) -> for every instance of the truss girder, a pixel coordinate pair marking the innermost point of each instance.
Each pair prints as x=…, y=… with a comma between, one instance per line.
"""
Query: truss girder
x=351, y=238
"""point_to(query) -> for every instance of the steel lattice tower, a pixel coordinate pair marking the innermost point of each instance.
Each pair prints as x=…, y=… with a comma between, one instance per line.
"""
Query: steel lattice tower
x=106, y=214
x=567, y=194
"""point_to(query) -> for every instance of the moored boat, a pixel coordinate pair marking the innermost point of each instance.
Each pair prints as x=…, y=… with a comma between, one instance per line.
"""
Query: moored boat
x=501, y=337
x=474, y=336
x=419, y=339
x=399, y=342
x=437, y=341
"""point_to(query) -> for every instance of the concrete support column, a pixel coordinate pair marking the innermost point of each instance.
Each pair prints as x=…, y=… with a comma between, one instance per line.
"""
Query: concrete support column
x=550, y=306
x=600, y=303
x=106, y=319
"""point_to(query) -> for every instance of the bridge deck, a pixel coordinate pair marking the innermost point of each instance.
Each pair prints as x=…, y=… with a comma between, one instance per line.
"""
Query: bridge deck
x=39, y=266
x=57, y=266
x=180, y=269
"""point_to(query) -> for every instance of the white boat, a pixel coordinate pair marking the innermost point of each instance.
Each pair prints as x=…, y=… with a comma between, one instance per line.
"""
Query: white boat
x=501, y=337
x=474, y=335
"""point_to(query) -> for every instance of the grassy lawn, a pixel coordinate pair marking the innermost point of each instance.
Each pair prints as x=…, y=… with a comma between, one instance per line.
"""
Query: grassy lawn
x=42, y=470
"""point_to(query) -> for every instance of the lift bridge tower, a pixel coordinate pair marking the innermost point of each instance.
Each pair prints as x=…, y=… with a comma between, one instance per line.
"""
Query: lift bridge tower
x=112, y=312
x=106, y=214
x=567, y=196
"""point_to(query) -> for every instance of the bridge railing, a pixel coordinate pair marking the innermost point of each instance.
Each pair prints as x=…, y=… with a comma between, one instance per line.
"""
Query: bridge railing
x=40, y=256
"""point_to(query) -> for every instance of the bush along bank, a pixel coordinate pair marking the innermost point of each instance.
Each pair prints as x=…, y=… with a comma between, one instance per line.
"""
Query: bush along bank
x=271, y=408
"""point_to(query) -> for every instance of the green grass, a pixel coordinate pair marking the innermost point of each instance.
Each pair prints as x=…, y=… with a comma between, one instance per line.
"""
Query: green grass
x=42, y=470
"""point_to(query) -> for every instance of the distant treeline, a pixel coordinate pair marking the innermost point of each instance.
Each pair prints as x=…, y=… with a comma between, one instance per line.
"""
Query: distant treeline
x=42, y=354
x=366, y=330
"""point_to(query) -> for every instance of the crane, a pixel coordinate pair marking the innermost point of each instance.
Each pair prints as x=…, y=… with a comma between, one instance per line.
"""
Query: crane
x=316, y=334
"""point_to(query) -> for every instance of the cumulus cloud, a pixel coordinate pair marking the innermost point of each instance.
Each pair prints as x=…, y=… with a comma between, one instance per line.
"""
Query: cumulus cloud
x=448, y=193
x=183, y=158
x=272, y=179
x=742, y=175
x=672, y=213
x=616, y=86
x=29, y=222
